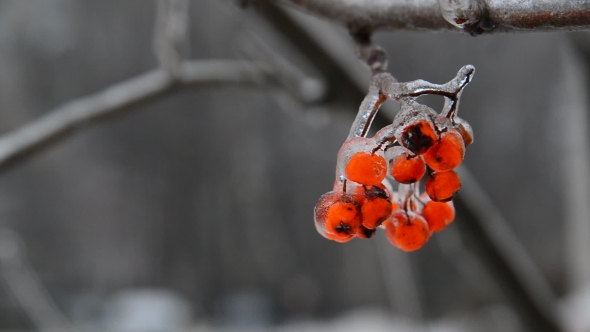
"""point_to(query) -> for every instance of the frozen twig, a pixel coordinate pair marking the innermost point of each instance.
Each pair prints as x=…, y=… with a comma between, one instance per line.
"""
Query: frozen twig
x=471, y=16
x=385, y=86
x=123, y=97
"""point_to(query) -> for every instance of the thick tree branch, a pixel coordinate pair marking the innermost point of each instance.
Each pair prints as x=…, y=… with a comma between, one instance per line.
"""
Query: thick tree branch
x=121, y=98
x=471, y=16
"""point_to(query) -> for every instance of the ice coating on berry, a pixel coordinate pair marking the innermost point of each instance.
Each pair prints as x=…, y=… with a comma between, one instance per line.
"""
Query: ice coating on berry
x=447, y=153
x=376, y=208
x=366, y=168
x=418, y=137
x=348, y=150
x=407, y=230
x=438, y=215
x=442, y=123
x=414, y=127
x=406, y=167
x=465, y=130
x=336, y=213
x=338, y=238
x=442, y=186
x=385, y=134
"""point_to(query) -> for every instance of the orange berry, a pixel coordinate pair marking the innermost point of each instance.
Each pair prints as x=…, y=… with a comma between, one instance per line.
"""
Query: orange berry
x=375, y=205
x=465, y=130
x=338, y=215
x=407, y=168
x=407, y=230
x=442, y=186
x=365, y=168
x=376, y=209
x=418, y=137
x=438, y=215
x=447, y=153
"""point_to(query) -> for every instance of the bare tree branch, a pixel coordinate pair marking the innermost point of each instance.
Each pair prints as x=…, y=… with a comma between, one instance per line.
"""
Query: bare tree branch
x=121, y=98
x=471, y=16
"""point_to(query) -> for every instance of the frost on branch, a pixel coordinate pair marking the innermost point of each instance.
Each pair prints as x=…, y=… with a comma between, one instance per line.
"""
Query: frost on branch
x=420, y=143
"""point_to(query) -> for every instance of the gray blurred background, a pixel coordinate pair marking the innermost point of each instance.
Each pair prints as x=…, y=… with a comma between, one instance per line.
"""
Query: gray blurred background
x=195, y=211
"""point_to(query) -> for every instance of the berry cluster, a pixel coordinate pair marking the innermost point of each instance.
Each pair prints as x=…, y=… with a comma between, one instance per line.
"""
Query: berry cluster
x=420, y=143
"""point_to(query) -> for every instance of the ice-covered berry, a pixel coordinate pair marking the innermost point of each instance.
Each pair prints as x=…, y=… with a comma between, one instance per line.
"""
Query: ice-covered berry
x=406, y=167
x=438, y=215
x=447, y=153
x=418, y=137
x=442, y=186
x=375, y=205
x=407, y=230
x=465, y=130
x=366, y=168
x=337, y=214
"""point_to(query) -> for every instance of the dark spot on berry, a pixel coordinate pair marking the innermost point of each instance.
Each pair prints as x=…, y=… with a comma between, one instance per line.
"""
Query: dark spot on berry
x=368, y=233
x=439, y=159
x=376, y=192
x=415, y=140
x=342, y=228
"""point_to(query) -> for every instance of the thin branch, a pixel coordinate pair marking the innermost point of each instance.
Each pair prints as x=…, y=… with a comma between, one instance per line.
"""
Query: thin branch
x=471, y=16
x=26, y=287
x=123, y=97
x=307, y=89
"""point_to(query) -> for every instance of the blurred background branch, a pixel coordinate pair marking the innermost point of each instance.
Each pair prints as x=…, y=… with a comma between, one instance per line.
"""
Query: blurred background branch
x=123, y=97
x=26, y=287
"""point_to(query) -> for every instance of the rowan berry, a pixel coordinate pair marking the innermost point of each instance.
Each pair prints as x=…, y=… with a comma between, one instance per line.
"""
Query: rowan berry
x=442, y=186
x=465, y=130
x=447, y=153
x=407, y=230
x=418, y=136
x=366, y=168
x=406, y=167
x=438, y=215
x=338, y=215
x=375, y=205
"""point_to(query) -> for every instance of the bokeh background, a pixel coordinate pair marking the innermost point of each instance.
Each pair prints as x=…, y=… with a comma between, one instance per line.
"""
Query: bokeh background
x=194, y=212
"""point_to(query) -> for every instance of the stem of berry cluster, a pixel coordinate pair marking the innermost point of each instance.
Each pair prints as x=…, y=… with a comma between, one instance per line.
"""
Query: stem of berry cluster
x=384, y=86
